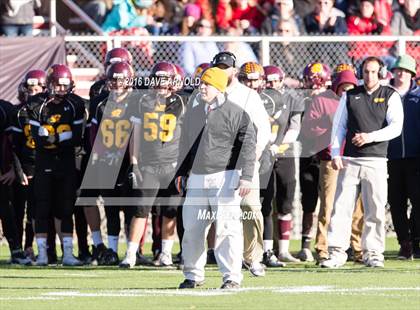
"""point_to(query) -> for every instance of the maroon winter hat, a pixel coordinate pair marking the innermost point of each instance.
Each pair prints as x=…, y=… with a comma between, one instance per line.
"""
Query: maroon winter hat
x=346, y=76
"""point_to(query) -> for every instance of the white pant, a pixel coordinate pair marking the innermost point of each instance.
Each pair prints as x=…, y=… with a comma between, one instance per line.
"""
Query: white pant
x=368, y=177
x=216, y=196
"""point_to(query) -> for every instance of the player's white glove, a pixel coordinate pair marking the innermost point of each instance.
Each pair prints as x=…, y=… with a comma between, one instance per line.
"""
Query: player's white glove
x=274, y=149
x=43, y=132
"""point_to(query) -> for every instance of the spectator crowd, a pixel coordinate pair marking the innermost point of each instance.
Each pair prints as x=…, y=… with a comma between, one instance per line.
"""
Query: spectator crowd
x=224, y=17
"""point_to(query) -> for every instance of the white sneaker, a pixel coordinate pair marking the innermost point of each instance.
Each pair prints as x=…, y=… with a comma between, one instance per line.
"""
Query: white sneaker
x=70, y=260
x=287, y=257
x=163, y=260
x=375, y=263
x=129, y=261
x=257, y=269
x=305, y=255
x=332, y=262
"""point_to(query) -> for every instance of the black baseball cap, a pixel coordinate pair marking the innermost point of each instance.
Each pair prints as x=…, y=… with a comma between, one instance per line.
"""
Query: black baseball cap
x=224, y=58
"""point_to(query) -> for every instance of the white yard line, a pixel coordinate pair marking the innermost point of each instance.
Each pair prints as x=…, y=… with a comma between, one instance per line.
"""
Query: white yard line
x=135, y=293
x=216, y=292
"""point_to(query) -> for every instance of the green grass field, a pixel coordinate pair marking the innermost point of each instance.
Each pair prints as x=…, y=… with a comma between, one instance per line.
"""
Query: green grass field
x=299, y=286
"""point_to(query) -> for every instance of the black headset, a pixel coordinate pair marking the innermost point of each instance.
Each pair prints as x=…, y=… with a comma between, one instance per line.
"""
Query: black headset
x=382, y=73
x=232, y=55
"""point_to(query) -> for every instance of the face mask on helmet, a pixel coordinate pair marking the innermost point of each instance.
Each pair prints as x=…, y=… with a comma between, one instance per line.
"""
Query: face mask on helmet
x=251, y=74
x=59, y=80
x=118, y=77
x=316, y=76
x=34, y=82
x=163, y=78
x=274, y=77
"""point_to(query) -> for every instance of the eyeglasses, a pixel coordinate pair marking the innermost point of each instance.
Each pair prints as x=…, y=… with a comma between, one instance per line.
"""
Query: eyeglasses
x=204, y=26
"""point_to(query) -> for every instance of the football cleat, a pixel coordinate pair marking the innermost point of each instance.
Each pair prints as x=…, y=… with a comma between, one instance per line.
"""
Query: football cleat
x=129, y=261
x=406, y=251
x=143, y=260
x=70, y=260
x=305, y=255
x=110, y=258
x=230, y=285
x=97, y=253
x=287, y=257
x=42, y=258
x=163, y=260
x=270, y=260
x=19, y=258
x=85, y=258
x=29, y=252
x=189, y=284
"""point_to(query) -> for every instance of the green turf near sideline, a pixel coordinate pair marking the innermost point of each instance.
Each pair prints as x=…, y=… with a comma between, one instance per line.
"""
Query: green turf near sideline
x=299, y=286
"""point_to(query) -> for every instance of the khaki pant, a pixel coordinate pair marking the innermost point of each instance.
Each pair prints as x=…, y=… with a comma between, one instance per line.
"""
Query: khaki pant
x=253, y=227
x=327, y=187
x=367, y=178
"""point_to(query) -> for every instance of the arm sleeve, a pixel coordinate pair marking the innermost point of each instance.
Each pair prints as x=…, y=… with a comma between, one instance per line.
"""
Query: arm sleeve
x=185, y=150
x=246, y=138
x=294, y=128
x=339, y=130
x=33, y=111
x=18, y=137
x=261, y=121
x=74, y=137
x=394, y=118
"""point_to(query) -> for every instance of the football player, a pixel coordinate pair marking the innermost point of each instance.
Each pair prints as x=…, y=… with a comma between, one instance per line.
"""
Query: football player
x=285, y=113
x=98, y=93
x=33, y=83
x=162, y=111
x=316, y=80
x=7, y=176
x=251, y=74
x=110, y=160
x=56, y=119
x=118, y=54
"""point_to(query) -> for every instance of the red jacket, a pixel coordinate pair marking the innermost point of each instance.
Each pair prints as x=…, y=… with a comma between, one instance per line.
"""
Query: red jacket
x=363, y=26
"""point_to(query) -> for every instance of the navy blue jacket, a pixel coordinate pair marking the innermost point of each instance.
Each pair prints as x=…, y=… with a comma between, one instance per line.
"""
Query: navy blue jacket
x=407, y=145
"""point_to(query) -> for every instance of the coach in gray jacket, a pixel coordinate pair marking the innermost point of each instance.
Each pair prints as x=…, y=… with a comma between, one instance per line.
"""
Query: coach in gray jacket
x=218, y=152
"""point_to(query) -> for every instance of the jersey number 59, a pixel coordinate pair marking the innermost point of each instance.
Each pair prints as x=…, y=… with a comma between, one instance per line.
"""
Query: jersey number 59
x=159, y=128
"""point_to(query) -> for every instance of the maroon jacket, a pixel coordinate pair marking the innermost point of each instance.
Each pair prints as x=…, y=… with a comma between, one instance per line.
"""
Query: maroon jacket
x=318, y=122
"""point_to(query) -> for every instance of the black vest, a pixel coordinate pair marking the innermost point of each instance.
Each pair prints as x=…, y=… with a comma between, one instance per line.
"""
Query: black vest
x=366, y=113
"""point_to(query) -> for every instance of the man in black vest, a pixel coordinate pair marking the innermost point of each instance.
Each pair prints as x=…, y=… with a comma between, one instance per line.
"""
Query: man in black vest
x=367, y=118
